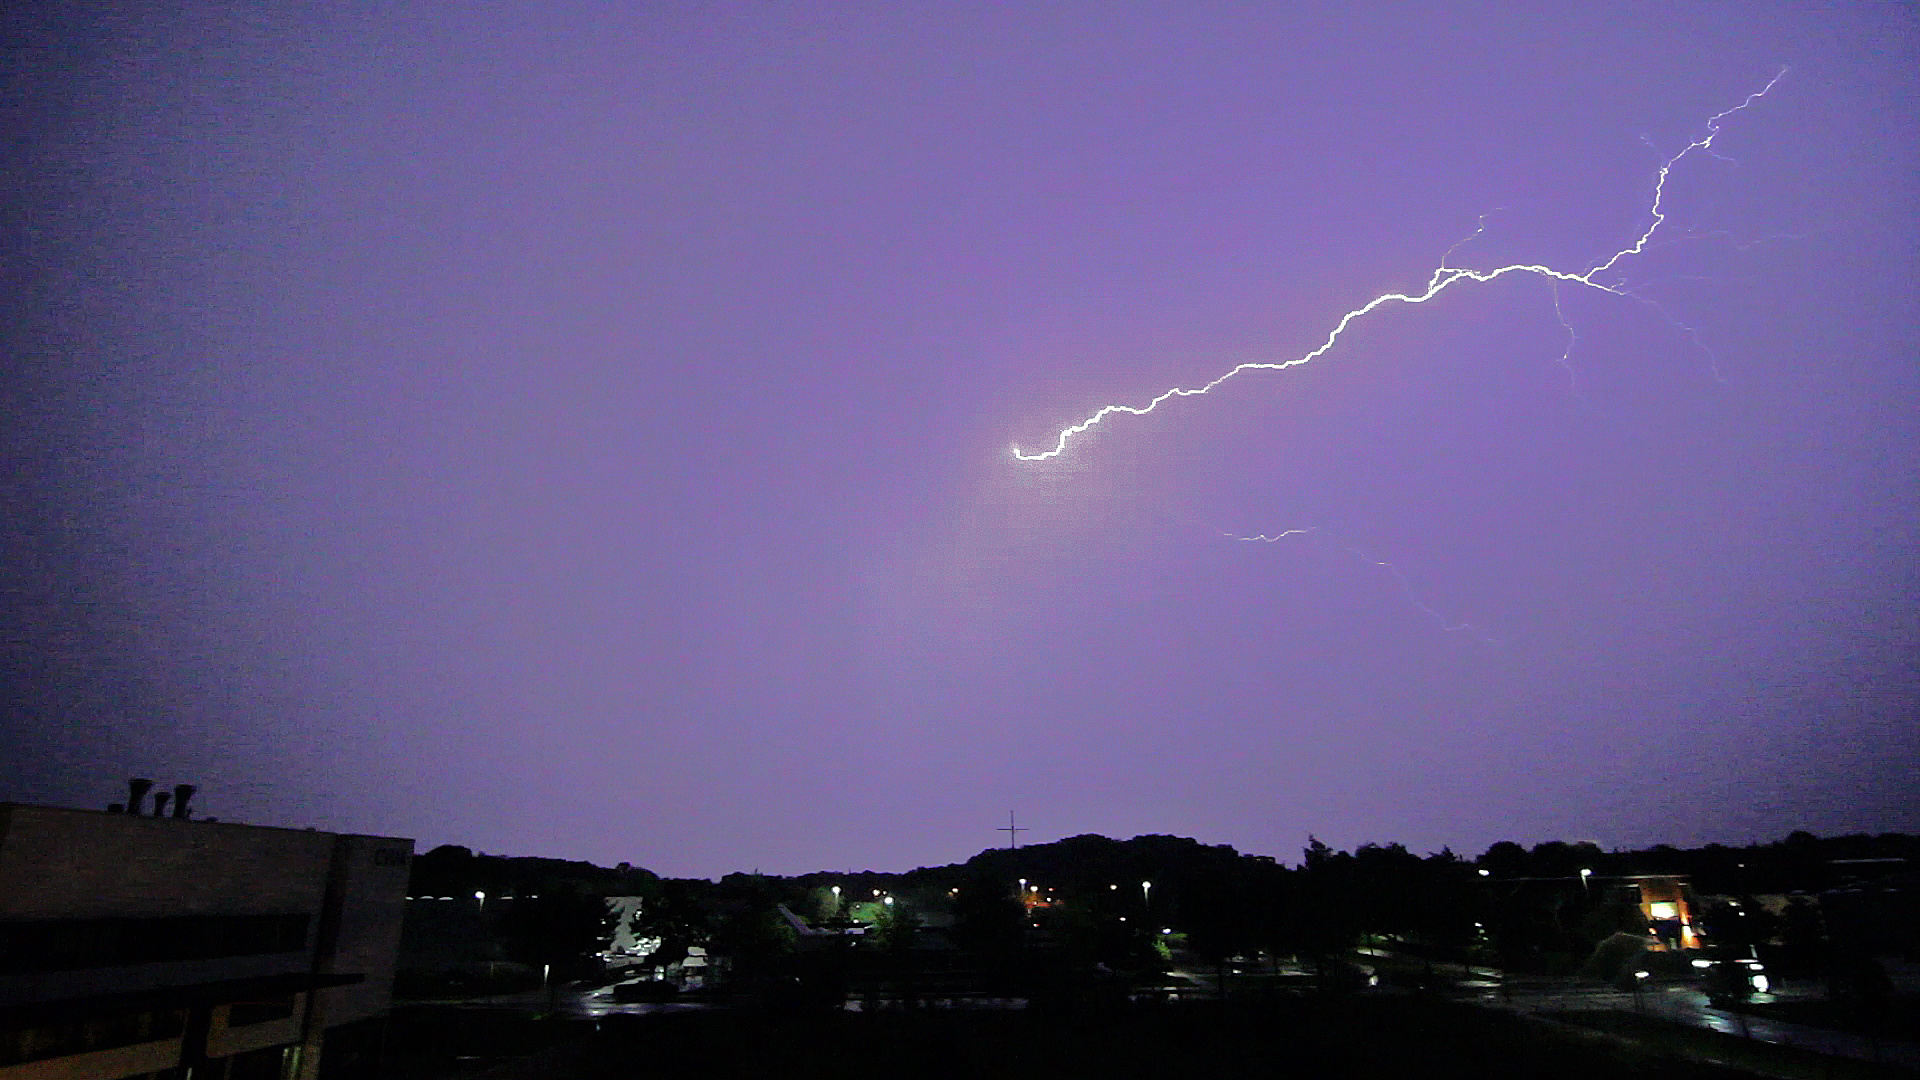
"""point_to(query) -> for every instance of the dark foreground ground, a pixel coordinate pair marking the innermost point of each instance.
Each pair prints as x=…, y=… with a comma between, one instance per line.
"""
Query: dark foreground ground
x=1401, y=1037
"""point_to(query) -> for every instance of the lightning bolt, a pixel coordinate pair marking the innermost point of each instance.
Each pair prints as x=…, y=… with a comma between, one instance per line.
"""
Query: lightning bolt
x=1573, y=340
x=1406, y=587
x=1406, y=590
x=1445, y=277
x=1263, y=538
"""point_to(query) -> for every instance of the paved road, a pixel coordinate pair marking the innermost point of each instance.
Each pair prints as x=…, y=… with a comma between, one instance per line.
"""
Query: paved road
x=1686, y=1004
x=575, y=1001
x=1678, y=1001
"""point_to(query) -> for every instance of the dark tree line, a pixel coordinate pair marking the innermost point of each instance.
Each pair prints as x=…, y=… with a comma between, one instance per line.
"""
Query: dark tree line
x=1099, y=901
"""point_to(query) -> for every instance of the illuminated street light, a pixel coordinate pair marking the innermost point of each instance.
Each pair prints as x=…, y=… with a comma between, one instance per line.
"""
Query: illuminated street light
x=1486, y=873
x=482, y=897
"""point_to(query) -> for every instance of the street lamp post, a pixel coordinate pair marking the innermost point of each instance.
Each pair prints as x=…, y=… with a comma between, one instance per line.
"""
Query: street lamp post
x=481, y=897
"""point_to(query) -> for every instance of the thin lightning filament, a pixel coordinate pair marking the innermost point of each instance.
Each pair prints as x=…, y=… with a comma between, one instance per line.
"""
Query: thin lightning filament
x=1444, y=277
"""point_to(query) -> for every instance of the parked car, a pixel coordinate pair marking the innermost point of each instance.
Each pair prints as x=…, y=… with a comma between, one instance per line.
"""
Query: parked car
x=645, y=990
x=1347, y=976
x=1732, y=978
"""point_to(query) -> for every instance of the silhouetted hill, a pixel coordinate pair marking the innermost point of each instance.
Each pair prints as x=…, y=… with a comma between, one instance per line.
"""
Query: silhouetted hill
x=452, y=870
x=1800, y=862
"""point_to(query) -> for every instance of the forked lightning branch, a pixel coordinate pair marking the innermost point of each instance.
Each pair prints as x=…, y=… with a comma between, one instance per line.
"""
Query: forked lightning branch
x=1601, y=276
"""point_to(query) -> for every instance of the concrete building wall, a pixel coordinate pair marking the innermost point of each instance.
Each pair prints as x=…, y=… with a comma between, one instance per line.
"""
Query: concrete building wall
x=120, y=1061
x=371, y=877
x=226, y=1038
x=76, y=864
x=258, y=913
x=18, y=989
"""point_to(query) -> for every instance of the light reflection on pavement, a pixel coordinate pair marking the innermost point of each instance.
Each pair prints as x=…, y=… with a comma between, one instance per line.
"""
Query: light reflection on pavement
x=1686, y=1004
x=570, y=1000
x=580, y=1003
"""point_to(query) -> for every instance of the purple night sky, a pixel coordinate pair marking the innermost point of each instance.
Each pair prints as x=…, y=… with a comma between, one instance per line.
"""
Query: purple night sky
x=585, y=429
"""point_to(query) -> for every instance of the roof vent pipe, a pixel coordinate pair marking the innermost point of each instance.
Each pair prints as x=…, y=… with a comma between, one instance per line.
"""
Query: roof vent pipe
x=137, y=789
x=181, y=793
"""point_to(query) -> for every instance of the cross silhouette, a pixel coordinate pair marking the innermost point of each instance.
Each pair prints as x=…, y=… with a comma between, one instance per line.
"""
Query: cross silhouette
x=1013, y=831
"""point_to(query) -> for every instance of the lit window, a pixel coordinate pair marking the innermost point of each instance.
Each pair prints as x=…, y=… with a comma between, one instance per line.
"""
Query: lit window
x=1664, y=911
